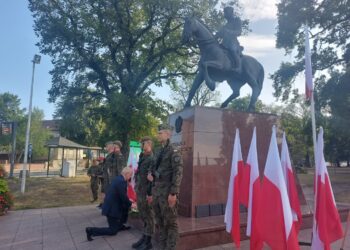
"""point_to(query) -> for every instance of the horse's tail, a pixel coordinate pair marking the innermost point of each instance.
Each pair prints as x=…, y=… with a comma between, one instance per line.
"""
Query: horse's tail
x=260, y=79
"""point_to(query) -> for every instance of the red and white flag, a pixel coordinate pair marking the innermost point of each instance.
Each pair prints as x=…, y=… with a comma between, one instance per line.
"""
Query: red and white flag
x=133, y=163
x=232, y=205
x=327, y=227
x=254, y=188
x=275, y=218
x=290, y=182
x=308, y=67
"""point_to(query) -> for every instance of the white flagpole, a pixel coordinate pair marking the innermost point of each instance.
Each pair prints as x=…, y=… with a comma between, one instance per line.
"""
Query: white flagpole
x=310, y=91
x=309, y=87
x=313, y=121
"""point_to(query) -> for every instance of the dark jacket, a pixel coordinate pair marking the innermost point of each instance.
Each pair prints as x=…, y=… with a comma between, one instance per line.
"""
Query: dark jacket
x=116, y=203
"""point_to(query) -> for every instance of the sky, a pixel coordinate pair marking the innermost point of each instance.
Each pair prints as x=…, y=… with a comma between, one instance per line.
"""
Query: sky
x=17, y=40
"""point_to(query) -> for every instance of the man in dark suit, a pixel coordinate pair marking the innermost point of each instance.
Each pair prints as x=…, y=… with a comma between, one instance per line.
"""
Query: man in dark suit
x=115, y=206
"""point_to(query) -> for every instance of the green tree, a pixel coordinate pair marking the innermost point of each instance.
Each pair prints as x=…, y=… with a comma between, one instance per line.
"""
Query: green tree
x=329, y=23
x=296, y=122
x=10, y=111
x=204, y=96
x=38, y=135
x=81, y=118
x=335, y=96
x=10, y=107
x=115, y=50
x=241, y=104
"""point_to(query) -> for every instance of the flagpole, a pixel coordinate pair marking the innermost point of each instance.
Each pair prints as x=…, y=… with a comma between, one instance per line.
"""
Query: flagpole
x=346, y=231
x=310, y=93
x=309, y=87
x=313, y=122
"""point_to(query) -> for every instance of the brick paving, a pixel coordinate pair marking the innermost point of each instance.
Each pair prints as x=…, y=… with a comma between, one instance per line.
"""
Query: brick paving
x=64, y=229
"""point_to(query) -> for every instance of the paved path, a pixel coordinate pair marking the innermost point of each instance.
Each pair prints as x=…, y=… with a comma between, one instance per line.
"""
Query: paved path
x=59, y=229
x=64, y=229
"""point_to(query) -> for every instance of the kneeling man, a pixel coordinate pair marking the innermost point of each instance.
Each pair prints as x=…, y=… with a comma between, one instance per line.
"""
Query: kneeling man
x=116, y=204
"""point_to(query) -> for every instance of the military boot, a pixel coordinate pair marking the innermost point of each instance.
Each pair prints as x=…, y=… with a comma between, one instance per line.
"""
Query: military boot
x=139, y=242
x=147, y=244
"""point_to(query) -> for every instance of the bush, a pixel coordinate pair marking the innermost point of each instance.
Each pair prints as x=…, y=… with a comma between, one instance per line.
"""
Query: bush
x=3, y=186
x=6, y=198
x=3, y=173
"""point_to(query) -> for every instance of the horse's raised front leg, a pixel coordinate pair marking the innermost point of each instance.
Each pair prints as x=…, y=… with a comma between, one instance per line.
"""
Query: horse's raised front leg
x=195, y=85
x=210, y=83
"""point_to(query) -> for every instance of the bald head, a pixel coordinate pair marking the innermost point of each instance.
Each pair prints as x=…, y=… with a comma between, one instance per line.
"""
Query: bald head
x=127, y=173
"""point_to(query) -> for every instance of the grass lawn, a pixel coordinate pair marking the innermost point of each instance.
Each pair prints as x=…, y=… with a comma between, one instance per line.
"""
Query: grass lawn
x=340, y=183
x=342, y=178
x=44, y=192
x=51, y=192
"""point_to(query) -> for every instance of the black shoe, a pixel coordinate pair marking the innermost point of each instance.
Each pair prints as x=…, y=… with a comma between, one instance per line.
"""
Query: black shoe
x=147, y=244
x=100, y=205
x=88, y=234
x=123, y=228
x=139, y=242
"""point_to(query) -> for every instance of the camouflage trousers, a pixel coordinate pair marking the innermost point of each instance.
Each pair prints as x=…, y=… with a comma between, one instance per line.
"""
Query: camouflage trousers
x=166, y=219
x=94, y=188
x=146, y=214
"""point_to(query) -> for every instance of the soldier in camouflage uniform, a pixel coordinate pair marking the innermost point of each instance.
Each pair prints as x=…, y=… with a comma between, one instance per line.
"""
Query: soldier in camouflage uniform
x=143, y=189
x=113, y=164
x=118, y=160
x=110, y=149
x=167, y=173
x=94, y=172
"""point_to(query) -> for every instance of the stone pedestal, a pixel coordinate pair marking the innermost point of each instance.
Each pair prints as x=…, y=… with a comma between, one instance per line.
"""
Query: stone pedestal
x=206, y=137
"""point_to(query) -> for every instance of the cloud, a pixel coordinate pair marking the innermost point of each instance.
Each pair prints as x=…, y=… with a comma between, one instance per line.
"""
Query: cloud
x=257, y=45
x=259, y=9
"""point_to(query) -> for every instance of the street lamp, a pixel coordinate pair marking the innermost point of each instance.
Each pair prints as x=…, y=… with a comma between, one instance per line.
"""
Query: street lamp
x=36, y=60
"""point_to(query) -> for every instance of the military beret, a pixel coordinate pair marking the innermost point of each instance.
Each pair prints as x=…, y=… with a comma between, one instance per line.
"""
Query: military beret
x=145, y=138
x=118, y=143
x=165, y=126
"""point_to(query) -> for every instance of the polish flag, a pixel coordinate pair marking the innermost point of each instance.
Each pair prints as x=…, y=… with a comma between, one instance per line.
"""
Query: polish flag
x=254, y=186
x=232, y=205
x=133, y=163
x=244, y=180
x=290, y=182
x=327, y=227
x=275, y=218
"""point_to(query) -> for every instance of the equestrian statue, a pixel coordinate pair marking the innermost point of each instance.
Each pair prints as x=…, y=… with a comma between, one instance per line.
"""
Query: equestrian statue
x=223, y=61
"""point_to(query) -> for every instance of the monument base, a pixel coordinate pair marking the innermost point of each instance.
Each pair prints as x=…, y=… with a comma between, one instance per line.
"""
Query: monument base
x=204, y=232
x=205, y=136
x=210, y=231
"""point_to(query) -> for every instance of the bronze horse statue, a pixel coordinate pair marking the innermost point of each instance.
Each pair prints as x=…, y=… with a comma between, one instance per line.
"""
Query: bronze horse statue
x=215, y=65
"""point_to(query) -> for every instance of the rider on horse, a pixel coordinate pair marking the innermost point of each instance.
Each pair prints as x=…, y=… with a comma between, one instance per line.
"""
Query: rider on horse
x=229, y=33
